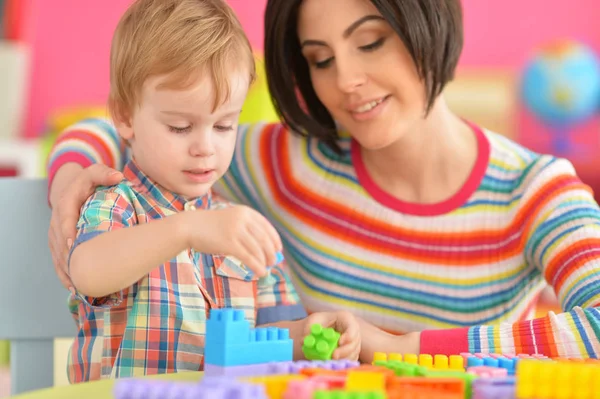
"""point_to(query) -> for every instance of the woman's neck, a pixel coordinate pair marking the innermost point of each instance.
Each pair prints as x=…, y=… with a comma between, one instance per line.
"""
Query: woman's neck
x=430, y=163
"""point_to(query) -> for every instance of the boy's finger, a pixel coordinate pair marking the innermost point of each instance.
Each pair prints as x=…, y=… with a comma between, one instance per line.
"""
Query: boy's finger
x=344, y=352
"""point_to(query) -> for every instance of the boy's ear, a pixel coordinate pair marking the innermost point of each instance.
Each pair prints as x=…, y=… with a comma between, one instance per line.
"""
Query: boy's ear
x=124, y=126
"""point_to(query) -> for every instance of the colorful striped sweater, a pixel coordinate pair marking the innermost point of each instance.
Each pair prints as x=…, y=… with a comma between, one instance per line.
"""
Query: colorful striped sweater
x=466, y=272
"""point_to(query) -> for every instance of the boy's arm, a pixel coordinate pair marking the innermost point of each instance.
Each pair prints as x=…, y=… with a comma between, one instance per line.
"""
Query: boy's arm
x=112, y=252
x=117, y=259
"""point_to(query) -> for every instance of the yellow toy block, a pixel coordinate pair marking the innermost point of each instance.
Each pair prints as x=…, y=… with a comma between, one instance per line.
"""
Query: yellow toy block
x=364, y=381
x=440, y=362
x=276, y=385
x=457, y=363
x=426, y=361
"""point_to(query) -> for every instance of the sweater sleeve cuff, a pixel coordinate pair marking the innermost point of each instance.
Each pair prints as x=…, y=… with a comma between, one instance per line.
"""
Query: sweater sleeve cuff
x=445, y=342
x=77, y=158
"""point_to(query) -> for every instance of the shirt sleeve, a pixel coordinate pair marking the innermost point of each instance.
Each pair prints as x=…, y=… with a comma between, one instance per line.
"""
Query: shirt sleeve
x=106, y=210
x=88, y=142
x=562, y=232
x=278, y=301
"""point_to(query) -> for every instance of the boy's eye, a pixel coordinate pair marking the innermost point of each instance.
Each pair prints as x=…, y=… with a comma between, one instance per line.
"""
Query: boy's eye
x=177, y=129
x=222, y=128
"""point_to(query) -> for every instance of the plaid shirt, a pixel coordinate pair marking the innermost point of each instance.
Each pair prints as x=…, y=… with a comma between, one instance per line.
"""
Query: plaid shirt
x=158, y=324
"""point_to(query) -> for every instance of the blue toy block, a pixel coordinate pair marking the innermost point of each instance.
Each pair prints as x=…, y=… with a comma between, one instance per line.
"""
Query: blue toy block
x=226, y=326
x=474, y=362
x=230, y=341
x=508, y=364
x=490, y=362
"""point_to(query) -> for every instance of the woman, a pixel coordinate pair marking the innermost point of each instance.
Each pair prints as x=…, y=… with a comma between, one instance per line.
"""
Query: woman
x=389, y=205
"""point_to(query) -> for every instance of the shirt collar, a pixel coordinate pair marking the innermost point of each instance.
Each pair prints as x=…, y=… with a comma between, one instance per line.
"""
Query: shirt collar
x=145, y=185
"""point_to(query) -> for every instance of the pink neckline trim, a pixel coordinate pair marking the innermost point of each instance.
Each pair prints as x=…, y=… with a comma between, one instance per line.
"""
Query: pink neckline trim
x=439, y=208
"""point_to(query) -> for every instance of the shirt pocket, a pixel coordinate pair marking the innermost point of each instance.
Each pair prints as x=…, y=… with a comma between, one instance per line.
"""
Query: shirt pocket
x=230, y=267
x=237, y=286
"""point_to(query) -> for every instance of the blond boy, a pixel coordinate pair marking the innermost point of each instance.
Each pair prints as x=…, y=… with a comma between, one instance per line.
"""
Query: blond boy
x=147, y=264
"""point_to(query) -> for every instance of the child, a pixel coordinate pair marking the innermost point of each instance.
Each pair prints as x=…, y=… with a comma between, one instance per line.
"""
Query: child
x=146, y=263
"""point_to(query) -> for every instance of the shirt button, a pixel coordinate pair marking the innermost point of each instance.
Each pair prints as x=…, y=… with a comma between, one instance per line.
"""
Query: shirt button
x=189, y=206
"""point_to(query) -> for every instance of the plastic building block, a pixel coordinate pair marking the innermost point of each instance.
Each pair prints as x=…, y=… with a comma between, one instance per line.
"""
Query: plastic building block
x=252, y=370
x=333, y=382
x=411, y=358
x=402, y=368
x=440, y=362
x=365, y=381
x=303, y=389
x=269, y=279
x=276, y=368
x=487, y=371
x=320, y=343
x=494, y=388
x=426, y=360
x=466, y=377
x=411, y=387
x=387, y=356
x=548, y=379
x=230, y=341
x=275, y=385
x=296, y=367
x=456, y=362
x=132, y=388
x=349, y=395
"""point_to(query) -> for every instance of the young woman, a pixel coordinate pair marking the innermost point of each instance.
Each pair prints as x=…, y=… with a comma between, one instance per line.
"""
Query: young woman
x=437, y=233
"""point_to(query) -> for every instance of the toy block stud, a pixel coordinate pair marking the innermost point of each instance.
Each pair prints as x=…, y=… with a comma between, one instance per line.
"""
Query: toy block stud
x=440, y=362
x=426, y=360
x=456, y=362
x=395, y=356
x=321, y=343
x=379, y=356
x=411, y=358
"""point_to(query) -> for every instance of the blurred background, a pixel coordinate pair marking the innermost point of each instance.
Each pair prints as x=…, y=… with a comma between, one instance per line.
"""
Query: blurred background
x=529, y=70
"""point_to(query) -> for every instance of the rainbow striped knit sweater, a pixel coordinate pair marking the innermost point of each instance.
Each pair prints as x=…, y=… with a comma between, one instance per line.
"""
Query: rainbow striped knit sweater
x=466, y=272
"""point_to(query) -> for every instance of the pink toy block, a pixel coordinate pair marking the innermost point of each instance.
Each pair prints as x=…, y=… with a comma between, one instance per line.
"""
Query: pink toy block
x=487, y=372
x=303, y=389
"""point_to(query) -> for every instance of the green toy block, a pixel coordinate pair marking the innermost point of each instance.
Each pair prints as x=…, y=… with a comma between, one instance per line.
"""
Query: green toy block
x=466, y=377
x=320, y=343
x=348, y=395
x=402, y=369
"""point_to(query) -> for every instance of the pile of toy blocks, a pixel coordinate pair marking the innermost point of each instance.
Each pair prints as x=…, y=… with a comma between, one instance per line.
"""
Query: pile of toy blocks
x=244, y=363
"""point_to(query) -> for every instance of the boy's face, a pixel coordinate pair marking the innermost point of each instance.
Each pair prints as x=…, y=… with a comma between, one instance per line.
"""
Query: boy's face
x=178, y=141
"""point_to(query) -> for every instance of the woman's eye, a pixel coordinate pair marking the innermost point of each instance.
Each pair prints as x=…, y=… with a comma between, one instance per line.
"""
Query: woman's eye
x=372, y=46
x=324, y=63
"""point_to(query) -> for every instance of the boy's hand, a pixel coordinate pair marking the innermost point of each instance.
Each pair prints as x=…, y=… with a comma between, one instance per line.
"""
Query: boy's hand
x=346, y=324
x=237, y=231
x=71, y=187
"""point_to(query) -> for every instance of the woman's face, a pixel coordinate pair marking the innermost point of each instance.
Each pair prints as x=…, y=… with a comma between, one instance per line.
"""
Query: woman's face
x=361, y=70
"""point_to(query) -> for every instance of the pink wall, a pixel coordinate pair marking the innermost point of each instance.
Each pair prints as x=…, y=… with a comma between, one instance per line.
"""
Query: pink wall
x=71, y=38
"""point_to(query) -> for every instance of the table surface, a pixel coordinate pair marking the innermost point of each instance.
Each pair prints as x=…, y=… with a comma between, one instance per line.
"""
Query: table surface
x=98, y=389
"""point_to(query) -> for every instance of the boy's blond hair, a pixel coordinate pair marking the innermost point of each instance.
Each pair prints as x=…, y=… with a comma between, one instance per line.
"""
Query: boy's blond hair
x=179, y=39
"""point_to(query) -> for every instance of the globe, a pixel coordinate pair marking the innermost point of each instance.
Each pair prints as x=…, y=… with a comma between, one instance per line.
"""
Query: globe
x=561, y=84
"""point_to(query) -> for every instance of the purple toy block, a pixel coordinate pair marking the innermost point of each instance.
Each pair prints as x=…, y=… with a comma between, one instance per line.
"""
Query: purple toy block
x=252, y=370
x=295, y=367
x=274, y=368
x=208, y=388
x=494, y=388
x=133, y=388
